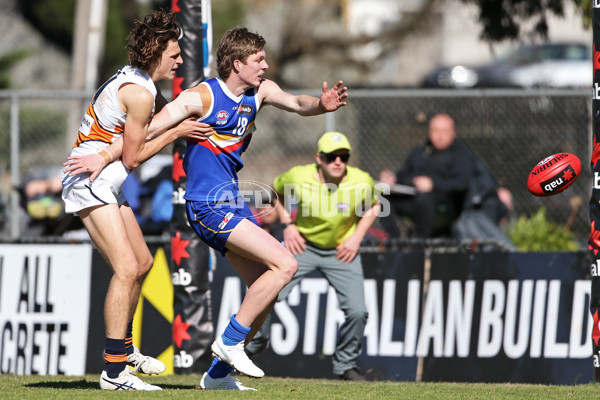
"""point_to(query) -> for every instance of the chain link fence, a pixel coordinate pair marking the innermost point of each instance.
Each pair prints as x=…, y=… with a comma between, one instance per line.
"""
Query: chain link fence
x=510, y=130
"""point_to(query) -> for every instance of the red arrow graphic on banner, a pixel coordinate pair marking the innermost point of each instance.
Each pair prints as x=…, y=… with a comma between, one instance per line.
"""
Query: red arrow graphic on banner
x=177, y=85
x=175, y=6
x=594, y=239
x=595, y=151
x=178, y=171
x=596, y=59
x=180, y=331
x=595, y=330
x=178, y=248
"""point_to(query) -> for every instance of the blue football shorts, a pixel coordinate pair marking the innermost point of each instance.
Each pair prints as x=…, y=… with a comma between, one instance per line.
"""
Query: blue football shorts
x=214, y=221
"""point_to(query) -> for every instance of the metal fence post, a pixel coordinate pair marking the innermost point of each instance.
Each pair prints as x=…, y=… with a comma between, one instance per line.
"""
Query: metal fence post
x=14, y=166
x=329, y=122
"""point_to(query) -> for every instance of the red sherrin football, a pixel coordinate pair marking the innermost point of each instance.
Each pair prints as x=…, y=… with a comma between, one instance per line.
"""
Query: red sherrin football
x=554, y=174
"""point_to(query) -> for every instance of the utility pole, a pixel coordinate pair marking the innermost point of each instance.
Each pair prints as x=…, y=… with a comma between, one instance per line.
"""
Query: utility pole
x=88, y=47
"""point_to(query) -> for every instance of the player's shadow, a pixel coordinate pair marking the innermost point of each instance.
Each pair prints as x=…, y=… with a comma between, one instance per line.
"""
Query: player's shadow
x=79, y=384
x=85, y=384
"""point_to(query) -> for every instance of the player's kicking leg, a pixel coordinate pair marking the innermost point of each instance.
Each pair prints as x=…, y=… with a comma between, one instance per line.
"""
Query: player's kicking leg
x=266, y=267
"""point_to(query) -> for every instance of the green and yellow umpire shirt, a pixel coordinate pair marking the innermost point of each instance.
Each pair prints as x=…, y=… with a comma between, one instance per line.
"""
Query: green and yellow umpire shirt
x=327, y=213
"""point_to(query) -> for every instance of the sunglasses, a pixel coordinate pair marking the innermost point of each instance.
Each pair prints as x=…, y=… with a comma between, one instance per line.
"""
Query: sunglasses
x=330, y=157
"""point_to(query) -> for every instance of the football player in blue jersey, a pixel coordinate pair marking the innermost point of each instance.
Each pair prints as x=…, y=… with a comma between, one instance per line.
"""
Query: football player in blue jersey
x=229, y=104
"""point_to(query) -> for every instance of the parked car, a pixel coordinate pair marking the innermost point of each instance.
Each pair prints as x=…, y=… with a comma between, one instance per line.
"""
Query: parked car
x=553, y=65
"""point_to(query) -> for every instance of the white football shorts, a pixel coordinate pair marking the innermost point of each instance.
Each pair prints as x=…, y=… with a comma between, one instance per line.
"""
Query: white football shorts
x=78, y=193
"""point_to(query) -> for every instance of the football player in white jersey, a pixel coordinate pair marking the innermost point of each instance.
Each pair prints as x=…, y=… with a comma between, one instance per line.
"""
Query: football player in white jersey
x=123, y=107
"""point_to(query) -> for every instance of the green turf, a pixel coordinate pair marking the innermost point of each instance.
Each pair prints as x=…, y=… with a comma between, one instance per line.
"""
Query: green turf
x=186, y=387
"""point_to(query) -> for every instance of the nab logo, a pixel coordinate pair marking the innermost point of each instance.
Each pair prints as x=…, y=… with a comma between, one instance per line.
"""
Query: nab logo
x=181, y=278
x=550, y=187
x=557, y=182
x=222, y=115
x=245, y=109
x=183, y=360
x=177, y=197
x=595, y=268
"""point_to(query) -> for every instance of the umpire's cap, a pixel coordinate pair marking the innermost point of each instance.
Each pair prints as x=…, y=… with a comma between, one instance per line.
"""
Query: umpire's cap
x=332, y=141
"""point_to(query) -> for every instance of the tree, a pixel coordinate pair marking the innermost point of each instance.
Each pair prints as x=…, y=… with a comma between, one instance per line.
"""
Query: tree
x=309, y=41
x=7, y=61
x=52, y=18
x=513, y=19
x=309, y=34
x=306, y=34
x=55, y=20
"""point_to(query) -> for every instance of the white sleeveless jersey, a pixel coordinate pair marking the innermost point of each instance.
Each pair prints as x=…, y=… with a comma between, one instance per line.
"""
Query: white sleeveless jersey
x=104, y=120
x=103, y=123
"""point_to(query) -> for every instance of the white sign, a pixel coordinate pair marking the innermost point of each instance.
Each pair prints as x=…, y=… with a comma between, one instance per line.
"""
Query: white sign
x=44, y=308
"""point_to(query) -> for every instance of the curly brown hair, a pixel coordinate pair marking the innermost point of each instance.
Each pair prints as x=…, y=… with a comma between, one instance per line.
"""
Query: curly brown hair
x=150, y=37
x=236, y=44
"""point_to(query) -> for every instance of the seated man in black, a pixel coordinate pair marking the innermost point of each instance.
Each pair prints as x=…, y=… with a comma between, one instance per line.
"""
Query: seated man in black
x=440, y=171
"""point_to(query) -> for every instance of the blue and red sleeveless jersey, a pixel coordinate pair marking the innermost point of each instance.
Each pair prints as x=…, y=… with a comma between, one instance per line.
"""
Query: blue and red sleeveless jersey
x=212, y=165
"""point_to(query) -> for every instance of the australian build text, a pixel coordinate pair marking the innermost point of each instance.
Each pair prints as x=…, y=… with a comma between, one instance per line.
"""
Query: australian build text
x=485, y=319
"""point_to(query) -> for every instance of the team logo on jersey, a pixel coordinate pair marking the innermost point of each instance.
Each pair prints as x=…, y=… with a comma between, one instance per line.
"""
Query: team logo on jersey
x=222, y=115
x=245, y=109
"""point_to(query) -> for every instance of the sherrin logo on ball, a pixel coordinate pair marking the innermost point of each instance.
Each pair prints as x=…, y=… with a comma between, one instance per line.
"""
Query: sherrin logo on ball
x=554, y=174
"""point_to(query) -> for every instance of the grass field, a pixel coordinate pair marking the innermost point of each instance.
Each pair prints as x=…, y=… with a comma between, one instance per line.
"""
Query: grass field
x=186, y=387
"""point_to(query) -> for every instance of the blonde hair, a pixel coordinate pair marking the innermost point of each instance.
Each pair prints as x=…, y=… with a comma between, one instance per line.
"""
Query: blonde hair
x=236, y=44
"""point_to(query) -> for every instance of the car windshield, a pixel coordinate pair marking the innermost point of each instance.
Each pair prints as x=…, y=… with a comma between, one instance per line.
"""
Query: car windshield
x=562, y=52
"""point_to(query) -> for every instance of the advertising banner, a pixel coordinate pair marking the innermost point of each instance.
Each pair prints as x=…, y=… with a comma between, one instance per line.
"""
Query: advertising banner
x=44, y=308
x=304, y=326
x=480, y=317
x=454, y=316
x=192, y=324
x=507, y=317
x=594, y=238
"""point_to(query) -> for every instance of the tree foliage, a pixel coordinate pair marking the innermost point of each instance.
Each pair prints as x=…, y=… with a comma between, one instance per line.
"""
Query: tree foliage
x=514, y=19
x=7, y=61
x=55, y=20
x=317, y=30
x=300, y=28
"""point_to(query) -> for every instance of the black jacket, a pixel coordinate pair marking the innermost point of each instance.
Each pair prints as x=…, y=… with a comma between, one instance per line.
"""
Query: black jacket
x=451, y=170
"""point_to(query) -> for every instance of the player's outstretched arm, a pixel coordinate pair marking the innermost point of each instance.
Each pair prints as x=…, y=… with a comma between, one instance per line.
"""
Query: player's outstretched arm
x=187, y=104
x=189, y=128
x=93, y=163
x=303, y=104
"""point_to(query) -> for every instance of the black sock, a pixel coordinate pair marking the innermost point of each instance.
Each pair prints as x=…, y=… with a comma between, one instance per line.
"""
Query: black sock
x=115, y=357
x=129, y=338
